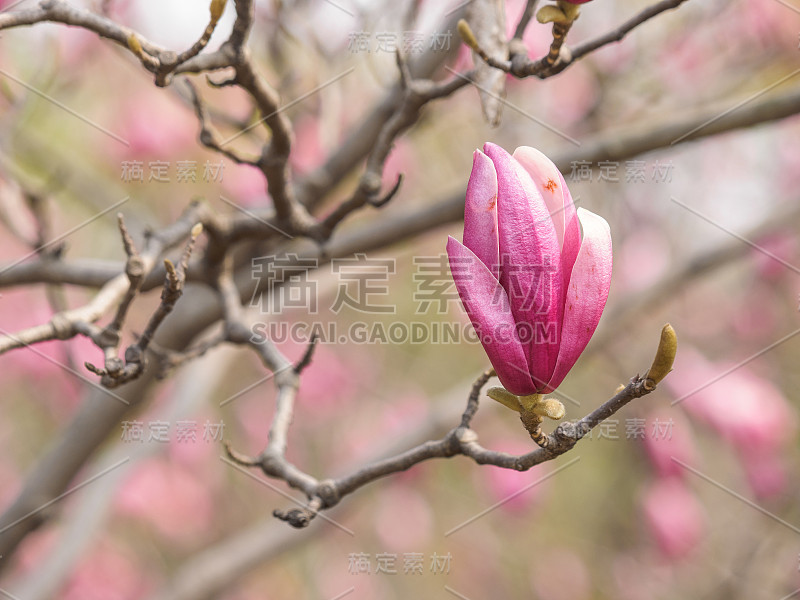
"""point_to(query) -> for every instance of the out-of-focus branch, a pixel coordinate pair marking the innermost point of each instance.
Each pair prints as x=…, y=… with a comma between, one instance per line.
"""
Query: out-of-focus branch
x=614, y=145
x=691, y=125
x=68, y=324
x=416, y=94
x=313, y=189
x=92, y=506
x=633, y=307
x=208, y=135
x=525, y=19
x=98, y=415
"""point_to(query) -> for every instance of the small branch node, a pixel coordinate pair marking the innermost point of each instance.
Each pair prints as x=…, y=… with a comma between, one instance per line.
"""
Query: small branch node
x=298, y=518
x=328, y=493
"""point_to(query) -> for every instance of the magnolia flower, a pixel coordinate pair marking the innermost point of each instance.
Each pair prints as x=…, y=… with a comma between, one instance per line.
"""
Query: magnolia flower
x=532, y=284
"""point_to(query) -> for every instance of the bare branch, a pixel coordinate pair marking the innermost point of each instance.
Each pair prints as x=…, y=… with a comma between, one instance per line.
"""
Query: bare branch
x=115, y=374
x=525, y=18
x=217, y=7
x=208, y=136
x=620, y=32
x=613, y=145
x=64, y=325
x=459, y=441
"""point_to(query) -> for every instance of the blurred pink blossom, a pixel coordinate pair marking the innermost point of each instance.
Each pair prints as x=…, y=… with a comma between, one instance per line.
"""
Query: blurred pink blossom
x=569, y=98
x=308, y=152
x=753, y=315
x=76, y=47
x=198, y=455
x=773, y=252
x=642, y=258
x=677, y=66
x=327, y=388
x=175, y=501
x=156, y=128
x=674, y=440
x=44, y=365
x=368, y=432
x=766, y=473
x=673, y=516
x=743, y=407
x=746, y=410
x=35, y=547
x=107, y=573
x=764, y=22
x=244, y=185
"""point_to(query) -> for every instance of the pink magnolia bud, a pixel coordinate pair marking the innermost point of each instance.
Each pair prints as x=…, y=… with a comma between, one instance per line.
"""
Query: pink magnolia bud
x=533, y=287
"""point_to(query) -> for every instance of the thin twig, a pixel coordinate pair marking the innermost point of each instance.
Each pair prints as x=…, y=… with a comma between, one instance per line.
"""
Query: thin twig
x=525, y=18
x=115, y=373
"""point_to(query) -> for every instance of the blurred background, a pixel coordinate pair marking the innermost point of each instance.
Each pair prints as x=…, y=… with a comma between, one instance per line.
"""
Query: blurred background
x=688, y=492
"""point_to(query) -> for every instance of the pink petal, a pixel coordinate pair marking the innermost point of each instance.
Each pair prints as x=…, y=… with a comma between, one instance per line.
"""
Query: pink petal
x=586, y=294
x=548, y=180
x=553, y=189
x=487, y=305
x=480, y=212
x=530, y=260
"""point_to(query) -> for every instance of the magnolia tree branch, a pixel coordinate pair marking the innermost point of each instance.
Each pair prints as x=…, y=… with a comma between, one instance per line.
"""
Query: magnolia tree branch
x=461, y=440
x=214, y=569
x=525, y=19
x=617, y=34
x=70, y=323
x=163, y=60
x=99, y=414
x=115, y=373
x=560, y=56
